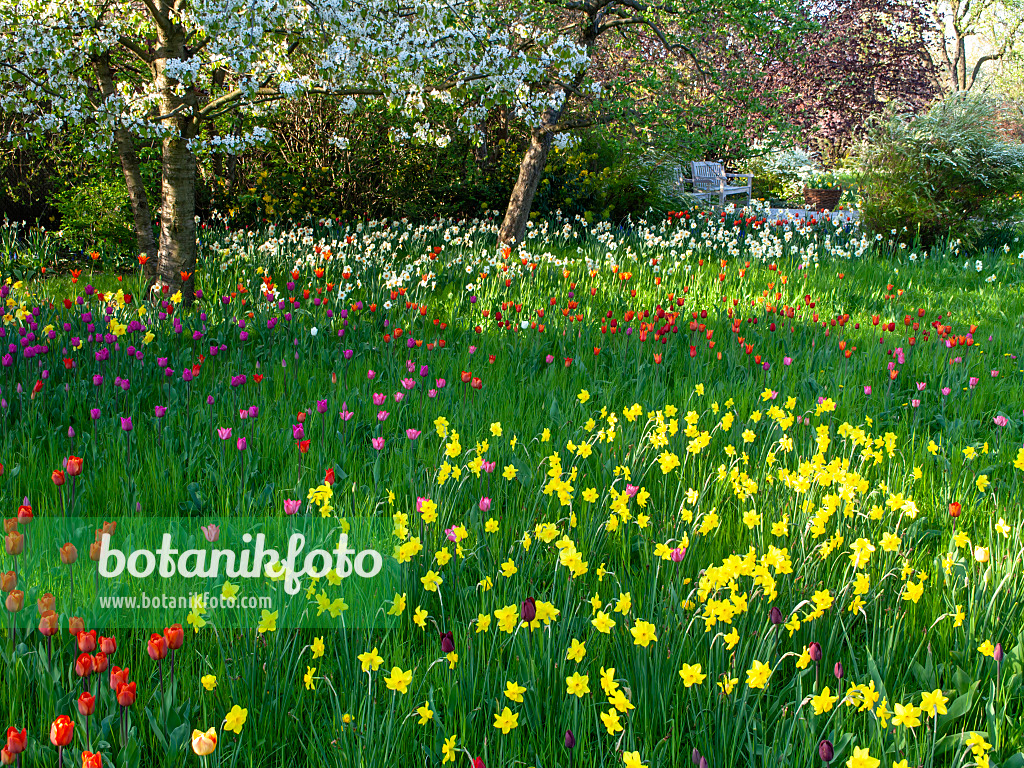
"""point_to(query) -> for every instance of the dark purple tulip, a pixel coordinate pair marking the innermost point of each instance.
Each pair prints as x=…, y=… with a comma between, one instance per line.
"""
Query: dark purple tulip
x=321, y=406
x=826, y=751
x=814, y=651
x=528, y=610
x=159, y=411
x=94, y=413
x=570, y=740
x=775, y=615
x=447, y=642
x=838, y=670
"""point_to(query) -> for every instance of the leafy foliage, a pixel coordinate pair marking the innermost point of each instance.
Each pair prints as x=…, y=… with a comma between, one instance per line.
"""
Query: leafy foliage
x=947, y=172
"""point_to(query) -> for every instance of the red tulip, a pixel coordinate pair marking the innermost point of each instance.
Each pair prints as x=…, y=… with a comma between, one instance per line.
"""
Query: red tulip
x=126, y=695
x=61, y=731
x=175, y=637
x=954, y=509
x=17, y=742
x=87, y=641
x=156, y=647
x=57, y=476
x=108, y=645
x=83, y=665
x=86, y=704
x=74, y=467
x=118, y=677
x=100, y=663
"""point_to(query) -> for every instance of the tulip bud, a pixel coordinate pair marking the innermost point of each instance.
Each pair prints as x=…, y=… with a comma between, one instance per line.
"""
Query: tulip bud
x=17, y=742
x=46, y=603
x=570, y=740
x=175, y=637
x=14, y=543
x=69, y=554
x=204, y=743
x=15, y=601
x=528, y=610
x=83, y=665
x=826, y=751
x=94, y=551
x=814, y=651
x=156, y=647
x=997, y=654
x=478, y=762
x=703, y=762
x=126, y=694
x=695, y=756
x=8, y=581
x=48, y=624
x=775, y=615
x=87, y=641
x=86, y=704
x=838, y=670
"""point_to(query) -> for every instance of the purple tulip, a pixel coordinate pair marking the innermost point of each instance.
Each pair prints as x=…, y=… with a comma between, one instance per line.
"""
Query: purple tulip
x=126, y=424
x=241, y=444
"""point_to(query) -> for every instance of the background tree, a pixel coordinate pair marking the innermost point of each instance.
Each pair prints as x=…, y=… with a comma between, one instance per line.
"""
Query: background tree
x=692, y=43
x=168, y=69
x=863, y=55
x=961, y=30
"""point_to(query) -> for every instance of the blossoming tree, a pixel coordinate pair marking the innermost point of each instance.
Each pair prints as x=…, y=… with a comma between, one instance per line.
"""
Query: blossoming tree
x=165, y=69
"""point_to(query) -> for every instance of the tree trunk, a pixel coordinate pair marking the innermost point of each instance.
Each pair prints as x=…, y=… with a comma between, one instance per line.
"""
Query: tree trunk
x=177, y=254
x=125, y=143
x=531, y=169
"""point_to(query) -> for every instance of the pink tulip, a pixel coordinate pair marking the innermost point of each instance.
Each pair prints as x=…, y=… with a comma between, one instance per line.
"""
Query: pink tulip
x=412, y=434
x=485, y=504
x=867, y=389
x=379, y=398
x=224, y=433
x=291, y=506
x=377, y=442
x=211, y=532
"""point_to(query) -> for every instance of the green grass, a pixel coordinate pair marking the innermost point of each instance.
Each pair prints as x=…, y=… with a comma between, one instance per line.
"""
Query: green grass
x=882, y=451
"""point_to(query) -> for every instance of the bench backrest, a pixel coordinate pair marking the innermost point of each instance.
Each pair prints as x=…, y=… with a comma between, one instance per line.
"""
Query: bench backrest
x=707, y=175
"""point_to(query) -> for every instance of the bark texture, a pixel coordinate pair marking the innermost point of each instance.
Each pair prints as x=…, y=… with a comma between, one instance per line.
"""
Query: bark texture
x=531, y=169
x=125, y=143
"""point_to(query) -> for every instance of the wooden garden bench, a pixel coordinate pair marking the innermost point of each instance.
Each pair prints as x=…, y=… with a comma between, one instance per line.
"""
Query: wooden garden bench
x=709, y=181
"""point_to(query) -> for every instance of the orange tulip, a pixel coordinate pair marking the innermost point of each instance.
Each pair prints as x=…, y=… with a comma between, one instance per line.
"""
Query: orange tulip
x=74, y=467
x=90, y=759
x=46, y=603
x=68, y=554
x=61, y=731
x=87, y=641
x=48, y=624
x=156, y=647
x=126, y=694
x=175, y=637
x=76, y=625
x=8, y=581
x=14, y=543
x=15, y=601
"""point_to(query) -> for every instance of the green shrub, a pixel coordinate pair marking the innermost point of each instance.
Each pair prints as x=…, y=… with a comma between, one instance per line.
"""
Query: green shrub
x=947, y=173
